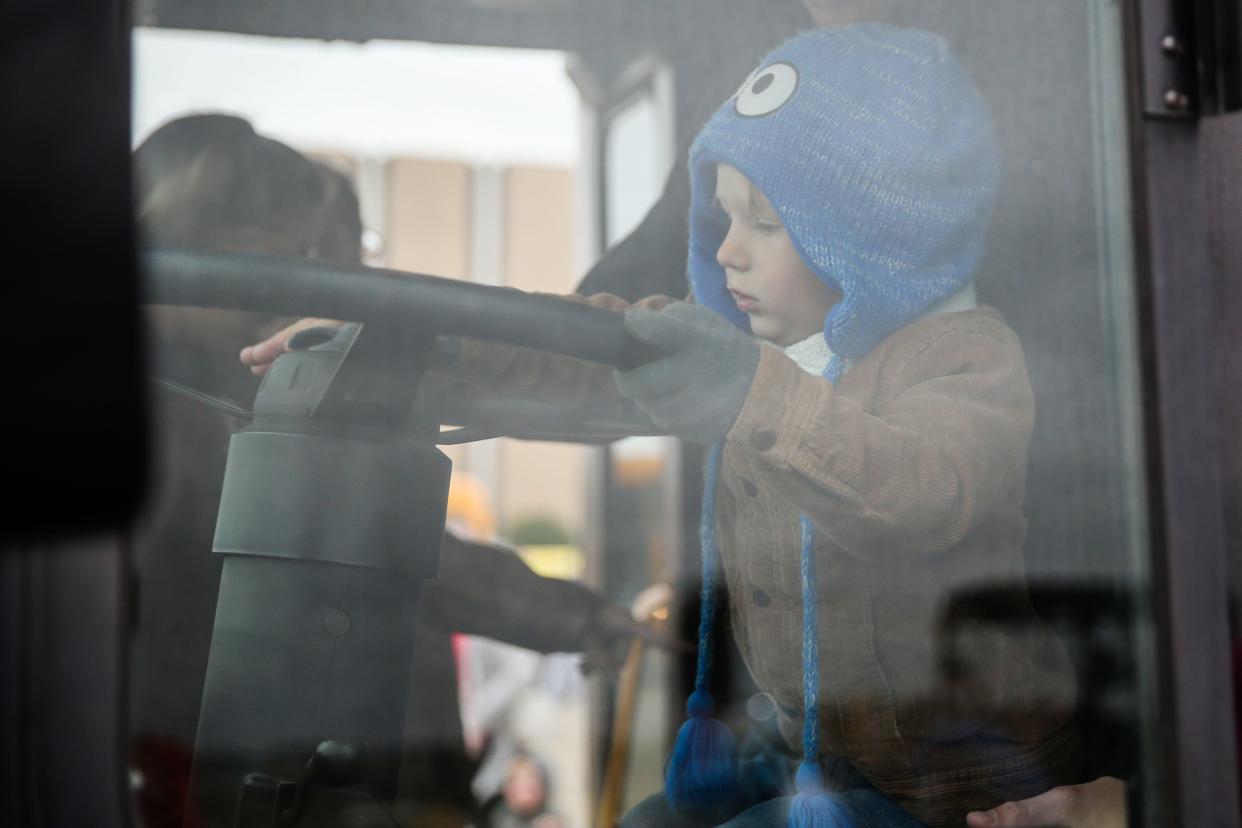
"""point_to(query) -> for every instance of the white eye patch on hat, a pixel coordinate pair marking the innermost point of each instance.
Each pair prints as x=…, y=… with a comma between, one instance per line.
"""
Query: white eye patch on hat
x=766, y=90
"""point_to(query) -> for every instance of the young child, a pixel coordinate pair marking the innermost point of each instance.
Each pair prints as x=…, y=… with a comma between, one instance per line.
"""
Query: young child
x=839, y=208
x=869, y=425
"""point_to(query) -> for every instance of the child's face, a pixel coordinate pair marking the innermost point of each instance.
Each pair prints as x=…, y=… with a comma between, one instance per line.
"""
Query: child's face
x=785, y=301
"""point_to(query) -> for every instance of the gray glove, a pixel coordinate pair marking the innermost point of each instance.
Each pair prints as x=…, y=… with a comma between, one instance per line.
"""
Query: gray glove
x=697, y=388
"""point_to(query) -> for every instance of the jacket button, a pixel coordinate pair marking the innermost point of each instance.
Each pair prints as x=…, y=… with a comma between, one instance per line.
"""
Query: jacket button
x=749, y=487
x=759, y=598
x=763, y=439
x=761, y=707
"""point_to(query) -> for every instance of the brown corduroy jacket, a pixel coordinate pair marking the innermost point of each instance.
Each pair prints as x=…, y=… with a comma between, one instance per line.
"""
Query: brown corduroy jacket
x=912, y=468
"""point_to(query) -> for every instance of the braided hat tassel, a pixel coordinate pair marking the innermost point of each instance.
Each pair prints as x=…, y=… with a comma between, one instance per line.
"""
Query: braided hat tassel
x=702, y=771
x=813, y=807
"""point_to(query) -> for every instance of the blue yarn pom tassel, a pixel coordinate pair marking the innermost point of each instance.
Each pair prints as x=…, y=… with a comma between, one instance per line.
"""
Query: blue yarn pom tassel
x=702, y=771
x=701, y=776
x=813, y=807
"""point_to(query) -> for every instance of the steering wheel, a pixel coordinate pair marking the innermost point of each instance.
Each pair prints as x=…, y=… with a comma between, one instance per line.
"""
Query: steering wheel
x=394, y=301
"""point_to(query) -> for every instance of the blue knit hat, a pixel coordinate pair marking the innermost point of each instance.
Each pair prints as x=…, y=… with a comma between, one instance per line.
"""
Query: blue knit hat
x=877, y=152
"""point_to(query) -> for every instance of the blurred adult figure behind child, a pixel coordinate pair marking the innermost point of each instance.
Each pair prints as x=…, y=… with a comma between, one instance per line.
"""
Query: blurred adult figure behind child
x=210, y=182
x=207, y=182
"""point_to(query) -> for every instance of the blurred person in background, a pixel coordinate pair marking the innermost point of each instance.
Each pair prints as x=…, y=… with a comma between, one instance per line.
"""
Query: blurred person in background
x=207, y=182
x=523, y=798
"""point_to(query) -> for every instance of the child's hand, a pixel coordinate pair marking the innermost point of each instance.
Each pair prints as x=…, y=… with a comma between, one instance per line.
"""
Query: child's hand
x=1097, y=804
x=262, y=354
x=697, y=388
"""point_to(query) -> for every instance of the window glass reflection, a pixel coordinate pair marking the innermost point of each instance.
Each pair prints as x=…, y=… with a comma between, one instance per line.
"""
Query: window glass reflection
x=905, y=396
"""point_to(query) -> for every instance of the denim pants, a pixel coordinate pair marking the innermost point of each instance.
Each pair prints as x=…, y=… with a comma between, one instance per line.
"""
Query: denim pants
x=867, y=807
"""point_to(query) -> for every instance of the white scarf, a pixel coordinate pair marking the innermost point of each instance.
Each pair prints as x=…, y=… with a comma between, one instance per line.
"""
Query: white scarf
x=812, y=354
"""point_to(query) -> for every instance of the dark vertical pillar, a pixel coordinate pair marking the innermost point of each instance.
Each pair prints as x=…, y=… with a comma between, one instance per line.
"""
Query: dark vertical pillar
x=1183, y=342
